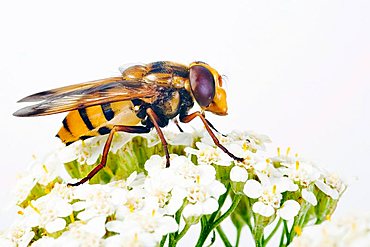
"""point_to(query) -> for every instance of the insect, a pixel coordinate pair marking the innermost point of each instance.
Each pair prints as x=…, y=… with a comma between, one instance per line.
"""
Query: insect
x=142, y=97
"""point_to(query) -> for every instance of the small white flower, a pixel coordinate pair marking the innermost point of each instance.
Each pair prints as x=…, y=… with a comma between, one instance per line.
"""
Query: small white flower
x=23, y=187
x=95, y=200
x=48, y=169
x=145, y=226
x=203, y=193
x=82, y=234
x=19, y=234
x=86, y=151
x=49, y=212
x=183, y=179
x=301, y=172
x=208, y=155
x=269, y=199
x=331, y=185
x=264, y=169
x=239, y=173
x=249, y=140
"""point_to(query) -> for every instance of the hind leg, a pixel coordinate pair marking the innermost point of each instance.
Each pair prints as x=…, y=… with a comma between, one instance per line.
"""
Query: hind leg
x=128, y=129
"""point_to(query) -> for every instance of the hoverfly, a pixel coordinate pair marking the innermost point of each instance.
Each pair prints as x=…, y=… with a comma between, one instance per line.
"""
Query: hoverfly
x=142, y=97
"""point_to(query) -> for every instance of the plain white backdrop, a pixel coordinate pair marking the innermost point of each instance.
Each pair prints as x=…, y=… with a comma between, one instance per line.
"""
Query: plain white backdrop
x=298, y=71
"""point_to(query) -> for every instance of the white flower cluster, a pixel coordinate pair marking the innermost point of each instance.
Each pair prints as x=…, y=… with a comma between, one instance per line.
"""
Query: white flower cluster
x=348, y=231
x=266, y=178
x=135, y=212
x=155, y=204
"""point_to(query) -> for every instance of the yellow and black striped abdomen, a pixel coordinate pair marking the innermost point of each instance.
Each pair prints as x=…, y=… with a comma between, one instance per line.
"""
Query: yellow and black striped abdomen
x=96, y=120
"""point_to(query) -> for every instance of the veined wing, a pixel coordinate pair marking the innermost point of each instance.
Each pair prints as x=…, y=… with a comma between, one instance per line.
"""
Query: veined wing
x=68, y=89
x=87, y=94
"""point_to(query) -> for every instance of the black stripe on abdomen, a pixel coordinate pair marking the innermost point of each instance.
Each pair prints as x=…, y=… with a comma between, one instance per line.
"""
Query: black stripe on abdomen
x=104, y=130
x=85, y=118
x=65, y=124
x=107, y=110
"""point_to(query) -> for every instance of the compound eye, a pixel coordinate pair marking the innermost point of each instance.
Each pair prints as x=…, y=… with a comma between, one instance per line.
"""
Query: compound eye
x=202, y=85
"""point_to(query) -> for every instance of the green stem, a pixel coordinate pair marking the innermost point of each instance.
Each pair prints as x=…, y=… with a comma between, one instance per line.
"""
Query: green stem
x=223, y=236
x=298, y=222
x=203, y=222
x=282, y=238
x=238, y=234
x=179, y=212
x=247, y=218
x=229, y=211
x=286, y=230
x=221, y=202
x=204, y=234
x=180, y=235
x=259, y=236
x=273, y=232
x=163, y=241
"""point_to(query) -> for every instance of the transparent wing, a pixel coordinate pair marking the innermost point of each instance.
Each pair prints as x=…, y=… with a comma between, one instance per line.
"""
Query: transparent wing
x=87, y=94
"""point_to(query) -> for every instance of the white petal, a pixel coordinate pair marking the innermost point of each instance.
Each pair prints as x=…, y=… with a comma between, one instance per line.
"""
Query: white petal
x=192, y=210
x=115, y=226
x=209, y=206
x=238, y=174
x=286, y=184
x=327, y=189
x=86, y=215
x=263, y=209
x=63, y=209
x=289, y=209
x=309, y=196
x=216, y=188
x=131, y=178
x=253, y=189
x=56, y=225
x=166, y=225
x=175, y=203
x=207, y=174
x=96, y=226
x=25, y=240
x=78, y=206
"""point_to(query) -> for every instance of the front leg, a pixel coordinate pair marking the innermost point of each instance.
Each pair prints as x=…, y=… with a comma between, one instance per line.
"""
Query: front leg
x=188, y=118
x=211, y=125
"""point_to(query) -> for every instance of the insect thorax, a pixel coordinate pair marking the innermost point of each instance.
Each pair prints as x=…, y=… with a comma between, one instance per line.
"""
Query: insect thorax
x=168, y=105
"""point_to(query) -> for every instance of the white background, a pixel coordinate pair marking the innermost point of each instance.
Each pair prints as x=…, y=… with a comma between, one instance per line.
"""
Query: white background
x=298, y=70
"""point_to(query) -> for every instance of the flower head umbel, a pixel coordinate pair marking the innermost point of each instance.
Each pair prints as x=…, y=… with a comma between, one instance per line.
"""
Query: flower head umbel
x=137, y=201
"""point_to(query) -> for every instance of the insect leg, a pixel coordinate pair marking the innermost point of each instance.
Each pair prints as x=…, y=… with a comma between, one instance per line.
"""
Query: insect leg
x=213, y=127
x=128, y=129
x=188, y=118
x=155, y=119
x=178, y=125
